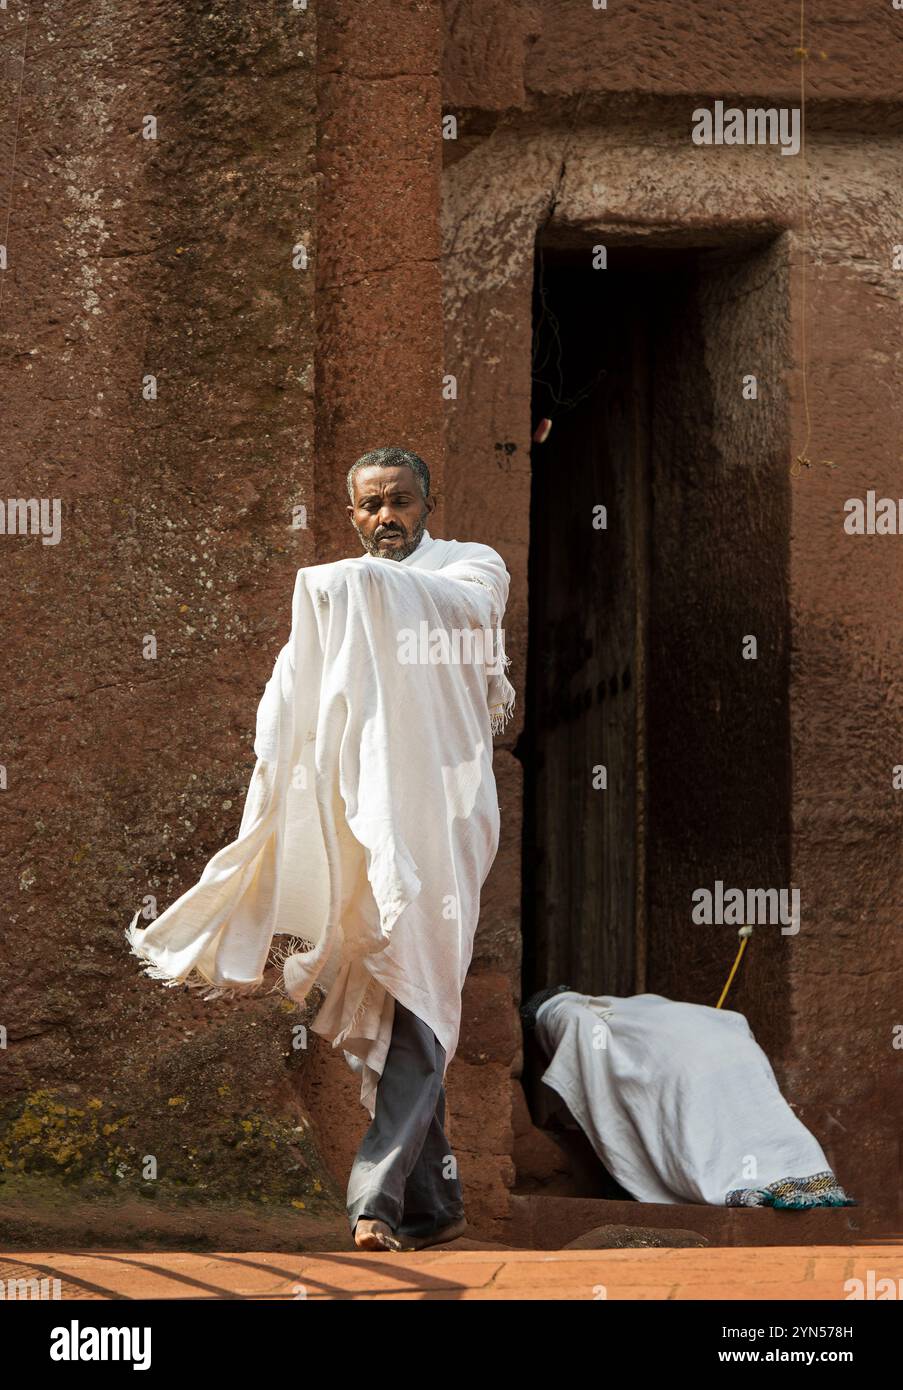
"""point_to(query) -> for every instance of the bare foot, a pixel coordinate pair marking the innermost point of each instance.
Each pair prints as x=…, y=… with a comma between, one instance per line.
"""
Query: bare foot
x=447, y=1233
x=374, y=1235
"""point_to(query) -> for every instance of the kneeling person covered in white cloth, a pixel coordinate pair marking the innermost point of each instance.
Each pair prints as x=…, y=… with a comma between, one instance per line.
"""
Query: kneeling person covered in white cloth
x=370, y=824
x=679, y=1101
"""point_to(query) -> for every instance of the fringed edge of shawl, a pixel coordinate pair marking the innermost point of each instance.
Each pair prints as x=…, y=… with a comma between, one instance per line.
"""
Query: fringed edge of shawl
x=195, y=979
x=278, y=955
x=501, y=713
x=358, y=1014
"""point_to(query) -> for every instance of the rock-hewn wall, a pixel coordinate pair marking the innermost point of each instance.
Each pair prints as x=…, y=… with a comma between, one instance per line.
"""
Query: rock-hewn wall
x=581, y=131
x=158, y=380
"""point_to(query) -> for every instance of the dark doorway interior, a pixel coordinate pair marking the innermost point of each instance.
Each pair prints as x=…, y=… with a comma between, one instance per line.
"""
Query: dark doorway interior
x=636, y=631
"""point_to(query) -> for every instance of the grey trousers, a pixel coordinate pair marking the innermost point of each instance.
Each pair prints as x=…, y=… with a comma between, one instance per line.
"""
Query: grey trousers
x=404, y=1172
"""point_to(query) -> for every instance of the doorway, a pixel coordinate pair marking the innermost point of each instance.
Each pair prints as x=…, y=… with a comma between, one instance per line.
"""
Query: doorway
x=656, y=749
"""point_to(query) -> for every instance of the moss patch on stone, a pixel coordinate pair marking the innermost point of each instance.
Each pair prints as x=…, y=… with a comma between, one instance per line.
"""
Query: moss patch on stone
x=170, y=1151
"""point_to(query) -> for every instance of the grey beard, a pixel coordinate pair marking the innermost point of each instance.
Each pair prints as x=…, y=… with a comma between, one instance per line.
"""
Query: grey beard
x=400, y=552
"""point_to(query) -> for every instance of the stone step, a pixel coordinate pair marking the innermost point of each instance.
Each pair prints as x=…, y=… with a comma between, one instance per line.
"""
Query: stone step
x=550, y=1223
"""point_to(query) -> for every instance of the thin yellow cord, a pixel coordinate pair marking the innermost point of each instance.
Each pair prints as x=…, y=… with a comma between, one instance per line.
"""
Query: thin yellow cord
x=733, y=972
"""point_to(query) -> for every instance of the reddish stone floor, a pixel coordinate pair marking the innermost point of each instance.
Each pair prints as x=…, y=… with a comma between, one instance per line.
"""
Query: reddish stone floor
x=471, y=1270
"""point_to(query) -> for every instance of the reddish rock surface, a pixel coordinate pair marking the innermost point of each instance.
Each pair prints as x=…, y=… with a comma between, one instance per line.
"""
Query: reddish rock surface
x=131, y=258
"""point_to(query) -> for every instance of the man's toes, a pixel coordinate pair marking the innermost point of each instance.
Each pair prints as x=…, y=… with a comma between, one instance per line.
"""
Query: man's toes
x=375, y=1235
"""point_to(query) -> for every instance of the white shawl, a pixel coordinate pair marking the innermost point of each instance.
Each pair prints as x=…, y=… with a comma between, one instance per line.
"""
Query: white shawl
x=371, y=818
x=678, y=1100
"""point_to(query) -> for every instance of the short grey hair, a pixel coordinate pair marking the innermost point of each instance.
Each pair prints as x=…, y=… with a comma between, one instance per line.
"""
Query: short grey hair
x=392, y=457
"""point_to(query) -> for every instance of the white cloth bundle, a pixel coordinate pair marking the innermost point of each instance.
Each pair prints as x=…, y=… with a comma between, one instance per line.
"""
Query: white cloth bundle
x=678, y=1100
x=371, y=818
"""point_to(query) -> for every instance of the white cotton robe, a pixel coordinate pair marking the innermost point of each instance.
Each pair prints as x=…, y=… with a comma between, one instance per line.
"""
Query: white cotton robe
x=678, y=1100
x=371, y=819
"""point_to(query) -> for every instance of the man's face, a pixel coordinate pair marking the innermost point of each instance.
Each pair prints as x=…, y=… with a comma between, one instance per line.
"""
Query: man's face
x=389, y=512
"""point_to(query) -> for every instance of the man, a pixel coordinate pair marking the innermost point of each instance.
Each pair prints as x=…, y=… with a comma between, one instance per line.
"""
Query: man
x=678, y=1101
x=370, y=824
x=390, y=502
